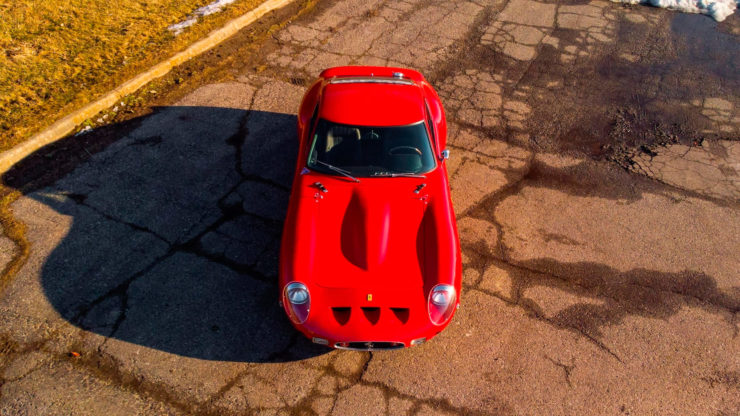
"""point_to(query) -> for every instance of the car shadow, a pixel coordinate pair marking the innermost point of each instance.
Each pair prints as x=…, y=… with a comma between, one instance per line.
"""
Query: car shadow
x=174, y=231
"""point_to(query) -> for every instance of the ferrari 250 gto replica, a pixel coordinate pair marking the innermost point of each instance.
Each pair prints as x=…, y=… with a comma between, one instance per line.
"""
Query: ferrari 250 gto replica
x=370, y=255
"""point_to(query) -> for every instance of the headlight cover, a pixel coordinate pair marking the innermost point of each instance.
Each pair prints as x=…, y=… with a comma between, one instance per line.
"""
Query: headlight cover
x=297, y=301
x=441, y=303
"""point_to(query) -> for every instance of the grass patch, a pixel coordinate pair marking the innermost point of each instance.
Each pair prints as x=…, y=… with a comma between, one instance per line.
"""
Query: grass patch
x=59, y=55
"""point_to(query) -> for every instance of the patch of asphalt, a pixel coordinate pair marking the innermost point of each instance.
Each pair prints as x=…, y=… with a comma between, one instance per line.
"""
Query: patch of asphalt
x=567, y=313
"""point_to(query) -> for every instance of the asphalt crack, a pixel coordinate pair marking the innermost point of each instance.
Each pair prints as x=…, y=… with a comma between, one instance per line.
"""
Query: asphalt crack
x=108, y=368
x=120, y=291
x=567, y=369
x=80, y=199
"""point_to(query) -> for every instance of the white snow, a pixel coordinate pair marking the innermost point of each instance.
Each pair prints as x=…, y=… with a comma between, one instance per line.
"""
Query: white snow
x=211, y=8
x=86, y=130
x=718, y=9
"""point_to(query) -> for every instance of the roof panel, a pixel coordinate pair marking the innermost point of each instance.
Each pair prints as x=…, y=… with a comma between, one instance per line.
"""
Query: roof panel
x=372, y=104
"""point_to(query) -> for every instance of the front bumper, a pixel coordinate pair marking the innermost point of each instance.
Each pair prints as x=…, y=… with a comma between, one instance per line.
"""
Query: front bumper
x=368, y=320
x=381, y=328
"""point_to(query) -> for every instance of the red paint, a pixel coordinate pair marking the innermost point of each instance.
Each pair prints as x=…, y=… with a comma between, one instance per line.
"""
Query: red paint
x=376, y=237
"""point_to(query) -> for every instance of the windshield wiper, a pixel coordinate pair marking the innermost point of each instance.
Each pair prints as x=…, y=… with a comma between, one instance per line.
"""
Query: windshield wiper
x=408, y=175
x=338, y=170
x=403, y=174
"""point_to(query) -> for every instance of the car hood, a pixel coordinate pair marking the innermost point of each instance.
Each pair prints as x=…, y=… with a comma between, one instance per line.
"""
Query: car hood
x=372, y=235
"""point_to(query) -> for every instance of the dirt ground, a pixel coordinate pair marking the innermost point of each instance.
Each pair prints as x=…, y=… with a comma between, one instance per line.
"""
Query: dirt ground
x=594, y=171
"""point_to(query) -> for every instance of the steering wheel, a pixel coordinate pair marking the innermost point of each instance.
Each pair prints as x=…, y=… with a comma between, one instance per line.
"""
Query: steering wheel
x=404, y=150
x=372, y=135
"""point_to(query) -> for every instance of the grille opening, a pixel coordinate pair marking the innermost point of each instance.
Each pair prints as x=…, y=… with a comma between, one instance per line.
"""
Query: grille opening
x=342, y=314
x=372, y=314
x=402, y=314
x=369, y=346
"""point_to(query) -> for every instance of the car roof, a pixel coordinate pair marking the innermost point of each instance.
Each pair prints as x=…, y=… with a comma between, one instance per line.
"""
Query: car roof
x=375, y=102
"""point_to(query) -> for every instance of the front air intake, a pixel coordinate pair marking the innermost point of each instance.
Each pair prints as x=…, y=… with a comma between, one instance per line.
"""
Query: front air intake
x=369, y=345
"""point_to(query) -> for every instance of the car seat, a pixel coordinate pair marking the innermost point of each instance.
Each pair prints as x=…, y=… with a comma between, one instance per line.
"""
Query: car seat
x=343, y=146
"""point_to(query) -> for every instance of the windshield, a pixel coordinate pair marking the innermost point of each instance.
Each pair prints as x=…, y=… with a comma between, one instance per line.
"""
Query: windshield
x=371, y=151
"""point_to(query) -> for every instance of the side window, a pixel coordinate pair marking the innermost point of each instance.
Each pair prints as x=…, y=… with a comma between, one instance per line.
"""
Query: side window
x=314, y=117
x=311, y=142
x=431, y=124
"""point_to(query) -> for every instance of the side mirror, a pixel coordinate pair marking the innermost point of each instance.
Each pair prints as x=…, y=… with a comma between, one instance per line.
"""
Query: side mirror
x=444, y=155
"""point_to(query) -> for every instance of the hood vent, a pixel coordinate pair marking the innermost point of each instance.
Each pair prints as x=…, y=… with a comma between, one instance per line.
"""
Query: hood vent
x=342, y=314
x=402, y=314
x=372, y=314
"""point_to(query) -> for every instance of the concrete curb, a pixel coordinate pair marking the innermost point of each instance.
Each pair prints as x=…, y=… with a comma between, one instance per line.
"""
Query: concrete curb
x=65, y=125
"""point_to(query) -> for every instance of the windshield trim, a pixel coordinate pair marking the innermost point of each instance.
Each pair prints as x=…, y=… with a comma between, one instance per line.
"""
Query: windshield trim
x=380, y=126
x=371, y=80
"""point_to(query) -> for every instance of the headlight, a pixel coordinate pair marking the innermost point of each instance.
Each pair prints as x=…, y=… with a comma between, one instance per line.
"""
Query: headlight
x=297, y=294
x=297, y=302
x=441, y=303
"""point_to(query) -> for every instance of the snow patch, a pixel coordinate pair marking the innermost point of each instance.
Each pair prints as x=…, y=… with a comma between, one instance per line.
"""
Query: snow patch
x=86, y=130
x=718, y=9
x=206, y=10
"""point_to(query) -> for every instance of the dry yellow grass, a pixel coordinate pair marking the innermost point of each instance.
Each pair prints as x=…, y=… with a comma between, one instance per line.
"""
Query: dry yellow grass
x=59, y=54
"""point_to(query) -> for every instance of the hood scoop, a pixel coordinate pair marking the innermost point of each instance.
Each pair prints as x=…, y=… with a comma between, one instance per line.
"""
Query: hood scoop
x=365, y=232
x=366, y=236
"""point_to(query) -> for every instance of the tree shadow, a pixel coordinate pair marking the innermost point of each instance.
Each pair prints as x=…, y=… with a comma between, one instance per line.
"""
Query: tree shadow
x=175, y=231
x=606, y=296
x=636, y=292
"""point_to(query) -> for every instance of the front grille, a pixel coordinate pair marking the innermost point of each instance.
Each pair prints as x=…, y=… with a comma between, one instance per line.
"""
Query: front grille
x=369, y=345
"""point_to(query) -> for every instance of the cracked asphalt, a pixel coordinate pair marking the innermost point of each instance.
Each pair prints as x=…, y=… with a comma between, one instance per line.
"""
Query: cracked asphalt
x=595, y=176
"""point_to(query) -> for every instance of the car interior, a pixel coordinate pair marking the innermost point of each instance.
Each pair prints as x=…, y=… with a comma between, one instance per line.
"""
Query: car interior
x=368, y=150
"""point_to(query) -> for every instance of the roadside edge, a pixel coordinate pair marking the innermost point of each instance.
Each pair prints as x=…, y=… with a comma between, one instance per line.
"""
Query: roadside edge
x=62, y=127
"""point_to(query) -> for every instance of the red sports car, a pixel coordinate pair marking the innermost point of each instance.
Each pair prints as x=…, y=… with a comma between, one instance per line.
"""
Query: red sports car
x=370, y=255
